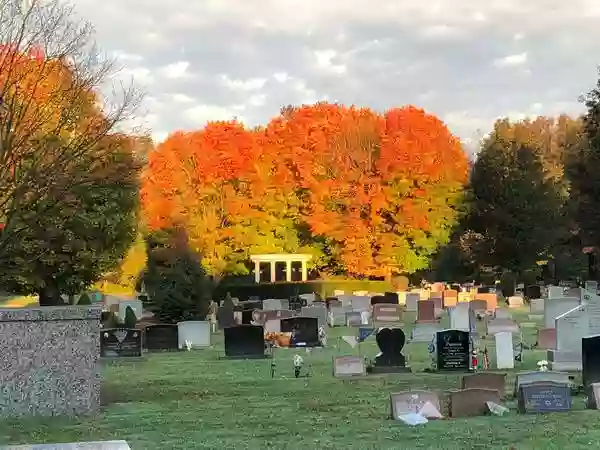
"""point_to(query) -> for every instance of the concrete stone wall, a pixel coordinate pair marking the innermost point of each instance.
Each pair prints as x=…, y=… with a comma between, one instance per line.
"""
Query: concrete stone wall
x=49, y=361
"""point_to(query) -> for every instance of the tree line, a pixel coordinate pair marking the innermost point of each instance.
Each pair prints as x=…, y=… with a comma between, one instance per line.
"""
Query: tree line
x=368, y=194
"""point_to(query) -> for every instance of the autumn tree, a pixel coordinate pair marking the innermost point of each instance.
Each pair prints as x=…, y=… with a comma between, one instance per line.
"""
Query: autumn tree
x=68, y=250
x=54, y=118
x=380, y=190
x=222, y=188
x=518, y=210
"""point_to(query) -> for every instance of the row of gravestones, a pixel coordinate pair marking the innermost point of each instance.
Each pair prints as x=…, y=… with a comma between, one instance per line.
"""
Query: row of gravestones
x=452, y=353
x=536, y=392
x=240, y=340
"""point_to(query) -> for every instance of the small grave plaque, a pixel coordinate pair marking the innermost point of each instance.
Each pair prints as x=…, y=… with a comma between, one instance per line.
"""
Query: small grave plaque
x=161, y=337
x=120, y=343
x=544, y=396
x=453, y=350
x=415, y=402
x=472, y=402
x=347, y=366
x=485, y=380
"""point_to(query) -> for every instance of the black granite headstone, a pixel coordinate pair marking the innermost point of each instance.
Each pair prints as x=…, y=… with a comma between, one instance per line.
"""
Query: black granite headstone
x=245, y=341
x=533, y=291
x=453, y=350
x=161, y=337
x=377, y=299
x=305, y=331
x=120, y=343
x=544, y=396
x=390, y=342
x=590, y=359
x=225, y=316
x=391, y=298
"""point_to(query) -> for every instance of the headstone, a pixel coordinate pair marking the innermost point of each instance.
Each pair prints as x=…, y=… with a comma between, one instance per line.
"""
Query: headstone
x=453, y=350
x=311, y=297
x=592, y=304
x=505, y=356
x=426, y=311
x=272, y=304
x=536, y=305
x=96, y=445
x=490, y=298
x=402, y=403
x=460, y=317
x=502, y=313
x=318, y=312
x=195, y=332
x=390, y=360
x=590, y=359
x=337, y=316
x=515, y=301
x=485, y=380
x=245, y=341
x=533, y=291
x=225, y=316
x=120, y=343
x=555, y=291
x=348, y=366
x=305, y=331
x=593, y=395
x=546, y=338
x=554, y=307
x=450, y=297
x=387, y=314
x=424, y=332
x=543, y=397
x=571, y=327
x=591, y=286
x=494, y=326
x=478, y=305
x=360, y=303
x=472, y=402
x=273, y=326
x=534, y=376
x=161, y=337
x=412, y=301
x=353, y=319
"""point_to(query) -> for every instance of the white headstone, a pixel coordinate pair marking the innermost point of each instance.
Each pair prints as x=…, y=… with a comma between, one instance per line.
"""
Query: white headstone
x=505, y=357
x=460, y=317
x=412, y=301
x=502, y=313
x=272, y=304
x=591, y=286
x=592, y=302
x=196, y=332
x=536, y=305
x=571, y=327
x=310, y=298
x=361, y=303
x=555, y=291
x=424, y=332
x=555, y=306
x=344, y=366
x=318, y=312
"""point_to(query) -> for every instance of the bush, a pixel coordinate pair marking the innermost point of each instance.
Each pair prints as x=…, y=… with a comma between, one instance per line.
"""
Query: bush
x=325, y=288
x=130, y=318
x=177, y=286
x=84, y=299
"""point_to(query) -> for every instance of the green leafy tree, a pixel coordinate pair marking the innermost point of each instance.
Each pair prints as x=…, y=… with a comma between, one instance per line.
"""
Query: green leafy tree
x=517, y=211
x=177, y=285
x=584, y=166
x=67, y=249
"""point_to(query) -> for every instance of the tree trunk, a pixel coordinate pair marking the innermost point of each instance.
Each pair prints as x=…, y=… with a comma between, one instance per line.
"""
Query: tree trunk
x=50, y=294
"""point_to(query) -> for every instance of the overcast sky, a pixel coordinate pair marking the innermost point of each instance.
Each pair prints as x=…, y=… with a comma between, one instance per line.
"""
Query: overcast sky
x=467, y=61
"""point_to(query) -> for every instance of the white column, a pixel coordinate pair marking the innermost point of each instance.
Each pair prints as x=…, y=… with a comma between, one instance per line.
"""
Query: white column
x=288, y=271
x=257, y=271
x=273, y=273
x=304, y=271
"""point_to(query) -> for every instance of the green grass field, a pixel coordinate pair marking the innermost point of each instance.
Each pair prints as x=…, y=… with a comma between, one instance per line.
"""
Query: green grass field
x=194, y=400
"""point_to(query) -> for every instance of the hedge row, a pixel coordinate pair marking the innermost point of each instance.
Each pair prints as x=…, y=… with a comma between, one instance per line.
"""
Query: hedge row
x=324, y=288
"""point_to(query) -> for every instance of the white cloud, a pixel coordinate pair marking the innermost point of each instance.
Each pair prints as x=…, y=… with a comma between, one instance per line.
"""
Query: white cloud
x=176, y=70
x=215, y=59
x=251, y=84
x=511, y=60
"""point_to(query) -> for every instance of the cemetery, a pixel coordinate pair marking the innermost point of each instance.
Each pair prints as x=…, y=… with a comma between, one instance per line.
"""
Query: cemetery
x=408, y=371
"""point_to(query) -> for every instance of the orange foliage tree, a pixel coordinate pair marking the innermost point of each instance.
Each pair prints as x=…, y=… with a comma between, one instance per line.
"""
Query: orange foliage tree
x=380, y=189
x=375, y=193
x=220, y=186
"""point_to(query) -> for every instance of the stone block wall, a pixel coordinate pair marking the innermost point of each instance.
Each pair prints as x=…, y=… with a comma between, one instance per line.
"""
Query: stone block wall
x=49, y=361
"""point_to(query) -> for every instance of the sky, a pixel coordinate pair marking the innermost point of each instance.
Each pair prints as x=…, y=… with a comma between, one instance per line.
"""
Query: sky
x=466, y=61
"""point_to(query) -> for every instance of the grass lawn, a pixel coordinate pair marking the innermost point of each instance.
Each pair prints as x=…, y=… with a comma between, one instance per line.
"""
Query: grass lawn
x=193, y=400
